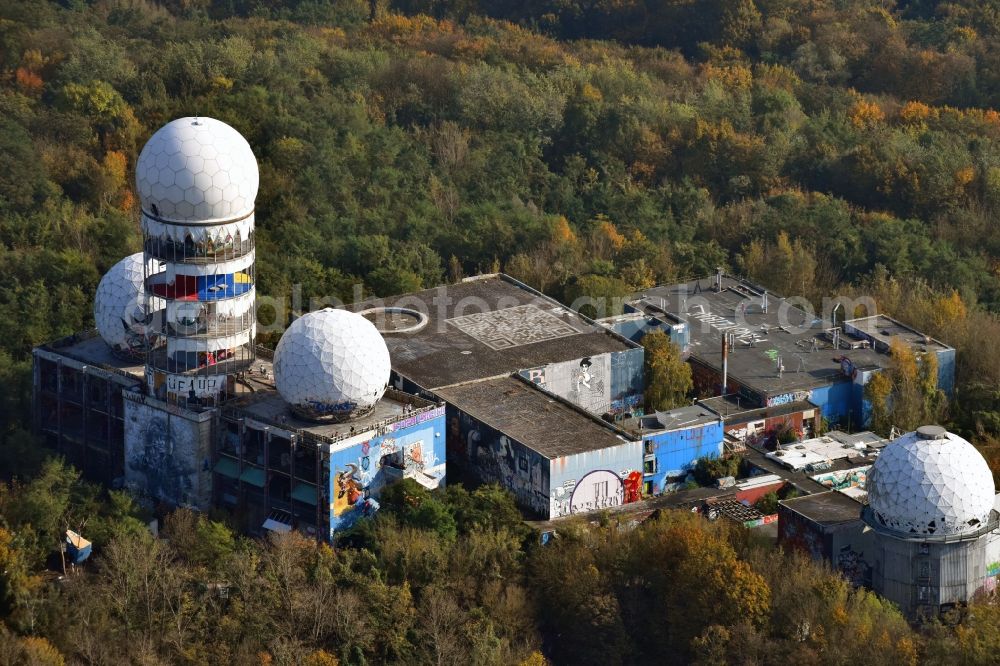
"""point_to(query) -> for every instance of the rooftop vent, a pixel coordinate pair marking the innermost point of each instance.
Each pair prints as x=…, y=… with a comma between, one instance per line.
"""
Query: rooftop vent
x=932, y=432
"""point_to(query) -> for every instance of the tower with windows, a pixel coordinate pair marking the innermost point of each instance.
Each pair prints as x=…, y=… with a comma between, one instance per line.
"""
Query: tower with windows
x=197, y=180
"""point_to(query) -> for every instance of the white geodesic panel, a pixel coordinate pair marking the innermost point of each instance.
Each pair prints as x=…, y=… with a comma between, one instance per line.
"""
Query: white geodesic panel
x=331, y=362
x=119, y=304
x=197, y=170
x=921, y=486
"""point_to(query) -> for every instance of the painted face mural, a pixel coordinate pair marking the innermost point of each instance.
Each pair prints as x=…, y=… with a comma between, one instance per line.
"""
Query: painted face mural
x=164, y=474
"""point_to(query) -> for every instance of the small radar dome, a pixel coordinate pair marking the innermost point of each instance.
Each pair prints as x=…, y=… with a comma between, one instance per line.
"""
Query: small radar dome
x=120, y=305
x=331, y=364
x=930, y=482
x=197, y=170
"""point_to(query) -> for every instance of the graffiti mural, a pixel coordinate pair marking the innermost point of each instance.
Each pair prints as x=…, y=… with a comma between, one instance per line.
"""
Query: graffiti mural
x=610, y=382
x=848, y=478
x=585, y=382
x=854, y=567
x=162, y=455
x=786, y=398
x=360, y=470
x=493, y=457
x=601, y=489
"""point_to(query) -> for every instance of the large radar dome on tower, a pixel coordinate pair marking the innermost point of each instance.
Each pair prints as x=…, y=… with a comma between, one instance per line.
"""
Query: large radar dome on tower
x=930, y=482
x=331, y=364
x=120, y=308
x=197, y=170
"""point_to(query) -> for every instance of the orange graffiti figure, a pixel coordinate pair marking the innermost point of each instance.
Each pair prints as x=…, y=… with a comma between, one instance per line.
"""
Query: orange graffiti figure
x=633, y=485
x=348, y=485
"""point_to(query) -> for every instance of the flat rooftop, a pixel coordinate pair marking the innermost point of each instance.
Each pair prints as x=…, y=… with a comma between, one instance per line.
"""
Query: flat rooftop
x=829, y=508
x=783, y=332
x=545, y=424
x=884, y=329
x=675, y=419
x=831, y=447
x=265, y=404
x=484, y=327
x=735, y=409
x=89, y=348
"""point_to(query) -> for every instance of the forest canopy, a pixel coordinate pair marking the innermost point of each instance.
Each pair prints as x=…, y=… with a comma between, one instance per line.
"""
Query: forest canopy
x=587, y=148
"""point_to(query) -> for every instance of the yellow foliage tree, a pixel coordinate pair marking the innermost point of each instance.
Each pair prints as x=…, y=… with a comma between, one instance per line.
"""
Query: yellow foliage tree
x=865, y=114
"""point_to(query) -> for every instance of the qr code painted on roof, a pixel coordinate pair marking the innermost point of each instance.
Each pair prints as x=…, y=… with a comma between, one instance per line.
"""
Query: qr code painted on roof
x=513, y=327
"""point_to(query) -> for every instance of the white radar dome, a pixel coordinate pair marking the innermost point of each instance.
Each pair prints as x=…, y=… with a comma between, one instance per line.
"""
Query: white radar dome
x=120, y=304
x=197, y=170
x=930, y=482
x=331, y=363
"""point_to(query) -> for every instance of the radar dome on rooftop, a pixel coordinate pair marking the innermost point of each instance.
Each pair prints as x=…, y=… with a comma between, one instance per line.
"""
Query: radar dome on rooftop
x=331, y=364
x=120, y=305
x=197, y=170
x=930, y=482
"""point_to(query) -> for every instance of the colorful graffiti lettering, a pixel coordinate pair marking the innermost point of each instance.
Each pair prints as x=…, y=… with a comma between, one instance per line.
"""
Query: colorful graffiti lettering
x=786, y=398
x=333, y=407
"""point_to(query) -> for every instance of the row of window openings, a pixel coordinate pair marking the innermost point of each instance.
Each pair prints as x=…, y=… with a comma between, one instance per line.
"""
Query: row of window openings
x=230, y=247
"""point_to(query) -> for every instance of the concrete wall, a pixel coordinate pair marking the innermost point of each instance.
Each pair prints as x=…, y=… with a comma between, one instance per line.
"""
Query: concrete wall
x=595, y=480
x=921, y=577
x=168, y=451
x=673, y=453
x=360, y=467
x=847, y=547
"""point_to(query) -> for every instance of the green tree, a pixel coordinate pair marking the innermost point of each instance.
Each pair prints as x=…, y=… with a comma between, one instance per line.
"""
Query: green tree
x=668, y=377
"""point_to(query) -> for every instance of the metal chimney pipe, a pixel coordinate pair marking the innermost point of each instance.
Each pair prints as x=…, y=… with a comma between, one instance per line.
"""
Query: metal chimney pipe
x=725, y=363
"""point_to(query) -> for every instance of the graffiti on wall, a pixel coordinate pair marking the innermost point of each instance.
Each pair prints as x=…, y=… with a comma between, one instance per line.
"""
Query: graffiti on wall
x=495, y=458
x=585, y=382
x=848, y=478
x=161, y=455
x=596, y=490
x=601, y=489
x=786, y=398
x=854, y=567
x=360, y=472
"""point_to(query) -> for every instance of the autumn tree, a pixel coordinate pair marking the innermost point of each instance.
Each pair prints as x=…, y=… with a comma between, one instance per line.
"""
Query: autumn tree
x=668, y=376
x=906, y=394
x=788, y=267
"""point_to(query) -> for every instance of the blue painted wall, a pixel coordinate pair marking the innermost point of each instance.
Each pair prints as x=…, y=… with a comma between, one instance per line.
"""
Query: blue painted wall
x=836, y=402
x=627, y=380
x=635, y=331
x=674, y=452
x=946, y=372
x=360, y=467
